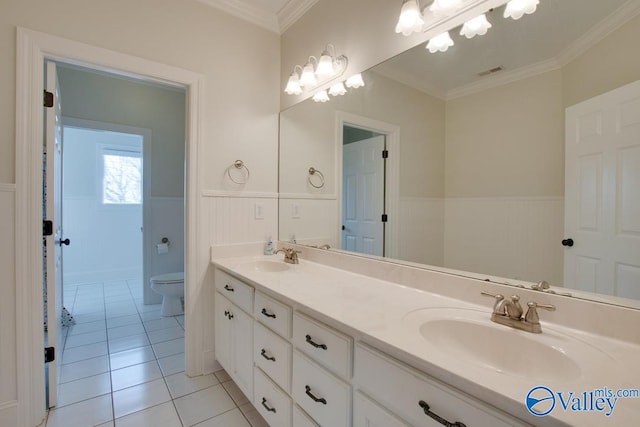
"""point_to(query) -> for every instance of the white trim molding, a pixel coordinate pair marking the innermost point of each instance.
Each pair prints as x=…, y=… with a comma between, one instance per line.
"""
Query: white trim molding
x=308, y=196
x=32, y=50
x=7, y=188
x=292, y=11
x=238, y=194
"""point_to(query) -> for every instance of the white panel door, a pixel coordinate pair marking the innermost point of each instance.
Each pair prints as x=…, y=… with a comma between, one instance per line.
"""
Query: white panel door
x=602, y=193
x=53, y=207
x=363, y=196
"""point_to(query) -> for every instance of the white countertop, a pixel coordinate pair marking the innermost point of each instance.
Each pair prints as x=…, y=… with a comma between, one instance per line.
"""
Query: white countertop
x=378, y=312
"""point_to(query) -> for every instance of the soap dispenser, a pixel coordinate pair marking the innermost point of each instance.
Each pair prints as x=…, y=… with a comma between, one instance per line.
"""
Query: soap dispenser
x=268, y=247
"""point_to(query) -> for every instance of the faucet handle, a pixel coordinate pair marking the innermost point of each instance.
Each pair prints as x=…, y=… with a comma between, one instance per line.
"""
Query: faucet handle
x=499, y=305
x=532, y=312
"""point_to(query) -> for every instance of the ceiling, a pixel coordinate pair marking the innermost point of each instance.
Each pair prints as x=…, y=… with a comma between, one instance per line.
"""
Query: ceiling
x=274, y=15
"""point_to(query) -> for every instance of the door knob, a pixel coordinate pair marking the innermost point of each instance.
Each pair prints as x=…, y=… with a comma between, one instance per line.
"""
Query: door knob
x=64, y=242
x=567, y=242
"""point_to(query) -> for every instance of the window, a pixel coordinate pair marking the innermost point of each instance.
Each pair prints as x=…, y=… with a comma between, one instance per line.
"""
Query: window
x=122, y=177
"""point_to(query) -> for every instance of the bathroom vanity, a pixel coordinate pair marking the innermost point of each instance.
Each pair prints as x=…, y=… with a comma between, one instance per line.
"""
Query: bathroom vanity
x=314, y=345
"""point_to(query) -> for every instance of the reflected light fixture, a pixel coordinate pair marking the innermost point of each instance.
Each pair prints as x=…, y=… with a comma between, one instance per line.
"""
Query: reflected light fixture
x=516, y=9
x=293, y=84
x=410, y=19
x=308, y=76
x=477, y=26
x=321, y=96
x=440, y=43
x=445, y=7
x=355, y=81
x=337, y=89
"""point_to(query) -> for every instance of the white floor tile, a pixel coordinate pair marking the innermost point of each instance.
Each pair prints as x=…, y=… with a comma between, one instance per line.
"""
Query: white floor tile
x=253, y=416
x=144, y=308
x=87, y=317
x=166, y=334
x=86, y=413
x=172, y=364
x=86, y=339
x=131, y=357
x=151, y=315
x=90, y=351
x=233, y=418
x=117, y=345
x=180, y=384
x=180, y=319
x=164, y=415
x=222, y=376
x=140, y=397
x=203, y=404
x=126, y=331
x=236, y=394
x=83, y=328
x=164, y=323
x=83, y=389
x=134, y=375
x=121, y=311
x=124, y=297
x=107, y=424
x=114, y=322
x=83, y=369
x=169, y=348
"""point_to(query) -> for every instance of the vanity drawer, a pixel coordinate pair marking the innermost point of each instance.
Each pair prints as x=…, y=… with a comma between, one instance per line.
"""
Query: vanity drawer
x=273, y=314
x=401, y=388
x=235, y=290
x=323, y=344
x=301, y=419
x=273, y=404
x=322, y=395
x=367, y=413
x=273, y=355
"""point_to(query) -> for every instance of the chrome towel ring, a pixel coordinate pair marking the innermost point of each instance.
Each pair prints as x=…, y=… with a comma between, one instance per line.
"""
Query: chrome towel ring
x=243, y=170
x=313, y=171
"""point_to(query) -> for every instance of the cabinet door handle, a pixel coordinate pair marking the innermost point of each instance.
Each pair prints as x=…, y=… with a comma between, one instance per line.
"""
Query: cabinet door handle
x=266, y=313
x=229, y=288
x=316, y=345
x=226, y=313
x=264, y=403
x=263, y=353
x=425, y=407
x=322, y=400
x=230, y=315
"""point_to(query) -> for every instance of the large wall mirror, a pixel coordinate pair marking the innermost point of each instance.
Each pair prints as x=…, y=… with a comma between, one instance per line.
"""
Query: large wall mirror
x=475, y=179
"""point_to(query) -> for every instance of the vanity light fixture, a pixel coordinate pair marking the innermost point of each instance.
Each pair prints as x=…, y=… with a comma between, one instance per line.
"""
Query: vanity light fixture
x=308, y=76
x=440, y=43
x=337, y=89
x=321, y=96
x=325, y=64
x=355, y=81
x=293, y=85
x=516, y=9
x=316, y=71
x=410, y=20
x=477, y=26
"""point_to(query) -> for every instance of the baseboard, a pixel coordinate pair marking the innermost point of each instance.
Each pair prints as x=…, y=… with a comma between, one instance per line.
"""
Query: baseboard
x=9, y=413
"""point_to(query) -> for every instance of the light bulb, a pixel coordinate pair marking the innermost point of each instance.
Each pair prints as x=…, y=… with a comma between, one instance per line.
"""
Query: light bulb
x=440, y=43
x=477, y=26
x=308, y=78
x=337, y=89
x=325, y=66
x=293, y=85
x=445, y=7
x=410, y=19
x=355, y=81
x=516, y=9
x=321, y=96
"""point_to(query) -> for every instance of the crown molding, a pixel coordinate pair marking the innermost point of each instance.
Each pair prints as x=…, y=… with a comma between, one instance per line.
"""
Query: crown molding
x=247, y=12
x=292, y=11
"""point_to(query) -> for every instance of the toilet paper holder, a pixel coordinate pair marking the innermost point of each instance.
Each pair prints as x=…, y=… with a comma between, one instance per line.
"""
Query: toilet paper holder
x=165, y=240
x=163, y=247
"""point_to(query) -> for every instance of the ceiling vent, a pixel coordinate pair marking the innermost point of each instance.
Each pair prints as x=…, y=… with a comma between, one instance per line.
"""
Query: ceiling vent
x=491, y=71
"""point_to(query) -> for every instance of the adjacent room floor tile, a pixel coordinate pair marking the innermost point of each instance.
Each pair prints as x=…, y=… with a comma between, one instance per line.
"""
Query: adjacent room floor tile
x=83, y=328
x=125, y=331
x=233, y=418
x=164, y=323
x=166, y=334
x=168, y=348
x=83, y=389
x=134, y=375
x=204, y=404
x=164, y=415
x=82, y=369
x=131, y=357
x=172, y=364
x=77, y=354
x=85, y=339
x=114, y=322
x=117, y=345
x=88, y=412
x=140, y=397
x=151, y=315
x=180, y=384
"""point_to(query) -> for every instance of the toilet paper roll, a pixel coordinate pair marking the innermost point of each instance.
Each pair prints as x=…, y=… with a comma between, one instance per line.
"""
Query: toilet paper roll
x=163, y=248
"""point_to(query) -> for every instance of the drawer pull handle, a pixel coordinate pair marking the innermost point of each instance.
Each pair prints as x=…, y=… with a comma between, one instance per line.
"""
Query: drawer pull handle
x=266, y=313
x=316, y=345
x=229, y=288
x=263, y=353
x=315, y=399
x=425, y=407
x=228, y=314
x=264, y=403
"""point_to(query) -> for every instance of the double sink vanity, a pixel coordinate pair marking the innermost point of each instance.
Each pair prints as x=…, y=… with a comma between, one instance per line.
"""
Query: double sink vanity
x=339, y=340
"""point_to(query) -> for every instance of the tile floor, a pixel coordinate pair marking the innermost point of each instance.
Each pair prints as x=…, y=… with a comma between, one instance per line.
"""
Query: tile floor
x=123, y=365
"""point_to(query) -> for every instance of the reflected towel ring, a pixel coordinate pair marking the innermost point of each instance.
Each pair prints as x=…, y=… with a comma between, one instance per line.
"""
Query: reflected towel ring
x=239, y=164
x=314, y=171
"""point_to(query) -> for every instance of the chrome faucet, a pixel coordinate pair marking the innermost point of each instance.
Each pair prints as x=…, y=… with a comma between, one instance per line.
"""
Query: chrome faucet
x=290, y=255
x=509, y=313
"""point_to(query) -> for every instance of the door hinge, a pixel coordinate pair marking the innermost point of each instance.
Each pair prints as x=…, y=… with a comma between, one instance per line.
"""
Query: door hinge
x=384, y=217
x=49, y=354
x=47, y=227
x=385, y=154
x=48, y=99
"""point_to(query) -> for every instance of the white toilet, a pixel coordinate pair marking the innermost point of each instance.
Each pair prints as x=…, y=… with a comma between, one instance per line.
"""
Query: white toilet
x=171, y=287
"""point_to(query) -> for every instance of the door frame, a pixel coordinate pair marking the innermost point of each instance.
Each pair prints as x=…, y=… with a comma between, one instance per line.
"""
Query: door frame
x=32, y=49
x=392, y=174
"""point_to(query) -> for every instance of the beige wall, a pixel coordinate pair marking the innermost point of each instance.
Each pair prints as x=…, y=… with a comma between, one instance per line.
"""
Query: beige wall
x=241, y=66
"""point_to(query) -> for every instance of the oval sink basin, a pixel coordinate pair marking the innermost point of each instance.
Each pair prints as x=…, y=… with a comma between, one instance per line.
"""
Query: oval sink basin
x=471, y=337
x=266, y=266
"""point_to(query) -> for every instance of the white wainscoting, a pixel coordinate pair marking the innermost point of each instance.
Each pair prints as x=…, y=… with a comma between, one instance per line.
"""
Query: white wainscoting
x=509, y=237
x=421, y=230
x=8, y=360
x=310, y=221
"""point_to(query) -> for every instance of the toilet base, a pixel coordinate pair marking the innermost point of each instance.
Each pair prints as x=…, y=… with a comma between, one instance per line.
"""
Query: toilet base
x=171, y=306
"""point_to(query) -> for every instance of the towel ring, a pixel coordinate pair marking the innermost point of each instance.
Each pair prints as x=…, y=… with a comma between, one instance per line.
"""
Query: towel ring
x=314, y=171
x=239, y=164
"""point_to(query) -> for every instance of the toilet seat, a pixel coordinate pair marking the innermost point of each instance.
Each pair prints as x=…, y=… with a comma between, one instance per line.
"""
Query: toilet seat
x=168, y=278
